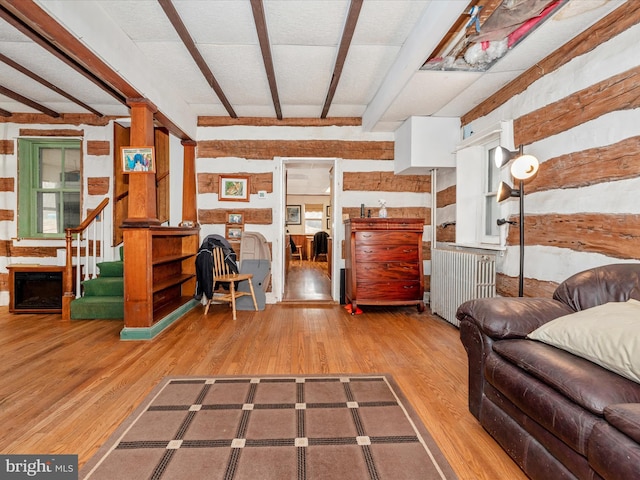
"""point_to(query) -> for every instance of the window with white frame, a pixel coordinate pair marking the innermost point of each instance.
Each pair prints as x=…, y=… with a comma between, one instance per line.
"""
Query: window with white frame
x=312, y=218
x=49, y=187
x=491, y=211
x=477, y=180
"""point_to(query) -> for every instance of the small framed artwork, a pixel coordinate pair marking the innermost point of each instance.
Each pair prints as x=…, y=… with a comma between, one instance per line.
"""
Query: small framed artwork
x=328, y=210
x=235, y=218
x=328, y=224
x=138, y=159
x=293, y=215
x=233, y=188
x=234, y=232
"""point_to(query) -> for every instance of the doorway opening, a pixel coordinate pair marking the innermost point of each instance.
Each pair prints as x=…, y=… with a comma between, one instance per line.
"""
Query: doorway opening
x=308, y=193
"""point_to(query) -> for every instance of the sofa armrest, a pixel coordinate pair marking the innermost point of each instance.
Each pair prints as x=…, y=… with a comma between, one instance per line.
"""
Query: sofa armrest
x=487, y=319
x=626, y=418
x=510, y=317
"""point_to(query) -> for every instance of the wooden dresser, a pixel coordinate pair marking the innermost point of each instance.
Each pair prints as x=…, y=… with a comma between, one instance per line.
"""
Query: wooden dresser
x=383, y=262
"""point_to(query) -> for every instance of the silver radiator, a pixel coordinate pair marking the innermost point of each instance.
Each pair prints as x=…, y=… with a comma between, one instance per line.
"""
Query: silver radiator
x=457, y=276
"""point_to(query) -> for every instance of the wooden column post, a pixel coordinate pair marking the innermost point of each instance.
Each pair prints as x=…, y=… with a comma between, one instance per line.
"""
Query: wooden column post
x=189, y=210
x=142, y=214
x=142, y=210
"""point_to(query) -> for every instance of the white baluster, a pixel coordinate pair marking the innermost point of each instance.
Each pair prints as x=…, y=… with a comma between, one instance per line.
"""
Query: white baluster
x=78, y=268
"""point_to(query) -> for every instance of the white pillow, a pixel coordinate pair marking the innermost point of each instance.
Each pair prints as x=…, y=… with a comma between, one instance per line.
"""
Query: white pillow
x=608, y=335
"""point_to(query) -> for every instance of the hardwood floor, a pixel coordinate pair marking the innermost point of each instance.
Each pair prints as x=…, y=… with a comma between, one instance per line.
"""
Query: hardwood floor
x=66, y=386
x=307, y=281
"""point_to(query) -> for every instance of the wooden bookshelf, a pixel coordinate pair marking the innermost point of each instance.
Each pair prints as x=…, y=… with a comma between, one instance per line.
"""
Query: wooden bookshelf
x=159, y=272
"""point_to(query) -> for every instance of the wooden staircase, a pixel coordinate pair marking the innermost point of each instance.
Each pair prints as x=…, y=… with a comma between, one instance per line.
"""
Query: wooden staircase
x=103, y=296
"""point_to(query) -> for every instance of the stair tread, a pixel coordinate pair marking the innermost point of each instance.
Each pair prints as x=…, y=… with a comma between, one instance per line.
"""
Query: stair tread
x=111, y=269
x=104, y=280
x=100, y=299
x=98, y=307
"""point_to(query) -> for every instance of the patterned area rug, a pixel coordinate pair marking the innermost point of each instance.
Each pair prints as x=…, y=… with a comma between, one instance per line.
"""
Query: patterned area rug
x=259, y=428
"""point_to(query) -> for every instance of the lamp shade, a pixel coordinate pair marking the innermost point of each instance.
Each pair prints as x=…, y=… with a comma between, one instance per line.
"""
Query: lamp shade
x=525, y=167
x=502, y=156
x=505, y=191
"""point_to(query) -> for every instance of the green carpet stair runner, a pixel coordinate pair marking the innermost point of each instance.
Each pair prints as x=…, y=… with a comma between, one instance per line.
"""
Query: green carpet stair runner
x=103, y=296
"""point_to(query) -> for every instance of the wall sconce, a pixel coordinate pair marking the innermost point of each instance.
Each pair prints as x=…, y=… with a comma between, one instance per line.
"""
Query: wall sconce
x=524, y=168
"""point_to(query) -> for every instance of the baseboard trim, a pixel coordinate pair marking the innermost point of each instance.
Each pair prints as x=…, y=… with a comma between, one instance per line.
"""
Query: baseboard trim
x=148, y=333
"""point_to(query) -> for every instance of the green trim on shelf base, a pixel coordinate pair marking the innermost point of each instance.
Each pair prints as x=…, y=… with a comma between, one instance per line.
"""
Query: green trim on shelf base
x=148, y=333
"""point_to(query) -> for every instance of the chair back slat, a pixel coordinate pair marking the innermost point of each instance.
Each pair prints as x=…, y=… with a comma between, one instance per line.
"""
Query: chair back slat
x=220, y=267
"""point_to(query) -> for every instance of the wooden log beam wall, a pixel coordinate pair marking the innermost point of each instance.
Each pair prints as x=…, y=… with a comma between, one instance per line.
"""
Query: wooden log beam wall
x=618, y=161
x=64, y=118
x=607, y=233
x=7, y=184
x=507, y=286
x=8, y=249
x=268, y=149
x=275, y=122
x=53, y=132
x=98, y=147
x=210, y=182
x=583, y=232
x=385, y=182
x=445, y=198
x=7, y=147
x=620, y=92
x=257, y=216
x=98, y=185
x=613, y=24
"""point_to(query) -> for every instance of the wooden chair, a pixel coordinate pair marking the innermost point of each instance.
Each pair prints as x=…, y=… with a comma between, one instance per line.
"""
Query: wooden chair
x=297, y=253
x=223, y=274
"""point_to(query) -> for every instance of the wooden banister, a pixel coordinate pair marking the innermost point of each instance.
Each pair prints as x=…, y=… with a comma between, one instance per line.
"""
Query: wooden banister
x=90, y=218
x=68, y=295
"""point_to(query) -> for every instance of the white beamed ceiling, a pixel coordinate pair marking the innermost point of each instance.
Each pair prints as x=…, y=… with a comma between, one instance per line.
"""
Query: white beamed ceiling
x=138, y=41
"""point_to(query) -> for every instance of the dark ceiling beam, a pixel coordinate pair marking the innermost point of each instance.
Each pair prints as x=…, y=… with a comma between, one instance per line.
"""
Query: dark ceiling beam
x=47, y=84
x=5, y=113
x=345, y=43
x=183, y=33
x=263, y=36
x=32, y=21
x=26, y=101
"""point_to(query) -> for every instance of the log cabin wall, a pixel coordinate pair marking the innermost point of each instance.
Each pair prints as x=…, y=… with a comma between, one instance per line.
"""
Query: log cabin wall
x=365, y=175
x=97, y=172
x=578, y=112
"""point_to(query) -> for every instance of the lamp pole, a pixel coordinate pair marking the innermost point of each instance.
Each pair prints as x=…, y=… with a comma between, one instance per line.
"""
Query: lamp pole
x=521, y=277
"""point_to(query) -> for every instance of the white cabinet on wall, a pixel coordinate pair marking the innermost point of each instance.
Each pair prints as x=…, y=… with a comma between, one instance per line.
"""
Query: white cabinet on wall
x=424, y=143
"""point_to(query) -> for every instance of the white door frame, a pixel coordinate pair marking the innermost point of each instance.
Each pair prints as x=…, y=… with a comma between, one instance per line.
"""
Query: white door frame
x=336, y=207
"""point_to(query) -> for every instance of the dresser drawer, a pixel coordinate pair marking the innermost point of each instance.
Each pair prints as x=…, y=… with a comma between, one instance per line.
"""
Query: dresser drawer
x=379, y=271
x=387, y=253
x=402, y=238
x=398, y=290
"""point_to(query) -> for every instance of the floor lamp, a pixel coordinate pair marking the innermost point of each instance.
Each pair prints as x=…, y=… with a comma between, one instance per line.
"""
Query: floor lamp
x=524, y=168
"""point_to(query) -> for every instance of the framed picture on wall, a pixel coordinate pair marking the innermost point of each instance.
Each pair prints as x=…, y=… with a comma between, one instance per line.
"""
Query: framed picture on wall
x=236, y=218
x=328, y=210
x=234, y=232
x=293, y=215
x=233, y=188
x=328, y=224
x=138, y=159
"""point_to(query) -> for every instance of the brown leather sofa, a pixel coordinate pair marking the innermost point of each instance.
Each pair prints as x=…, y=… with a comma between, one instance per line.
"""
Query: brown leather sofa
x=557, y=415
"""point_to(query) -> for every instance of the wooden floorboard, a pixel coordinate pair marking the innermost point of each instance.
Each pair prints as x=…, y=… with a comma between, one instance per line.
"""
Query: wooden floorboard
x=66, y=386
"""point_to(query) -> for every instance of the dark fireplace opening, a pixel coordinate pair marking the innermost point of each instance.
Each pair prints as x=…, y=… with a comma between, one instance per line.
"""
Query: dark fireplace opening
x=38, y=290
